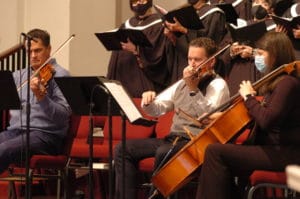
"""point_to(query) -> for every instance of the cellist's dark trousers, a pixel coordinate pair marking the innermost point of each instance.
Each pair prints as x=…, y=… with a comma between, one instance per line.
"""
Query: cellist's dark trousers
x=137, y=150
x=223, y=161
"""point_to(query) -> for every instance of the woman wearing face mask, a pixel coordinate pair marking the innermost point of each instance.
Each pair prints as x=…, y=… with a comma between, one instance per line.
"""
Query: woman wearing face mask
x=141, y=68
x=276, y=141
x=238, y=59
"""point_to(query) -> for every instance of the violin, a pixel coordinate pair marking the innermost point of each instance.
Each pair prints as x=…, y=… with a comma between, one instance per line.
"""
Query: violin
x=46, y=73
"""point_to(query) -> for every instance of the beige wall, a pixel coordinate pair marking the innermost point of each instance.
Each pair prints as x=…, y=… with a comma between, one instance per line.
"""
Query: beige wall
x=53, y=16
x=85, y=55
x=11, y=23
x=88, y=56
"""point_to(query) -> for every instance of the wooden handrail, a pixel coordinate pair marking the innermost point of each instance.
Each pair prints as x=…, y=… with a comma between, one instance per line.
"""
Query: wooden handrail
x=11, y=51
x=11, y=59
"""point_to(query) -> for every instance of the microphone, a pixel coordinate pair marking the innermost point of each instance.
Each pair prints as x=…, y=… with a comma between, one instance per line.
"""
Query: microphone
x=28, y=37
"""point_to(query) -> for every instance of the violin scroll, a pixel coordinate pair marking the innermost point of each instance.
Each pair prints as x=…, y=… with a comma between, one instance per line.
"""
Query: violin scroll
x=293, y=68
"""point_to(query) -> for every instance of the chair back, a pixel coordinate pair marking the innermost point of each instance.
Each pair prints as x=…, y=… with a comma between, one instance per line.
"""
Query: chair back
x=164, y=124
x=71, y=134
x=84, y=128
x=132, y=131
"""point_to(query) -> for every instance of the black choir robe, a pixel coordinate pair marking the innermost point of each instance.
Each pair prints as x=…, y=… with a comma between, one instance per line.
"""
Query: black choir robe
x=295, y=42
x=242, y=7
x=153, y=74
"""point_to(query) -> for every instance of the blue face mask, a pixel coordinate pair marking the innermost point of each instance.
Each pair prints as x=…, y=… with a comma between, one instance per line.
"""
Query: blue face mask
x=259, y=61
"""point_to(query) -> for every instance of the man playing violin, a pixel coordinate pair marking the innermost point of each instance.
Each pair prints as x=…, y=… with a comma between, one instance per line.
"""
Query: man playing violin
x=49, y=111
x=199, y=92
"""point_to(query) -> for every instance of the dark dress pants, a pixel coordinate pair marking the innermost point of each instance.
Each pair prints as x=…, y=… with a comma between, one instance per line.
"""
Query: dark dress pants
x=13, y=143
x=137, y=150
x=224, y=161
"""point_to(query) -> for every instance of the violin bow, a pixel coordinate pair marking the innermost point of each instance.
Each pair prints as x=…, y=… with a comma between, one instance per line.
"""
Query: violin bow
x=200, y=66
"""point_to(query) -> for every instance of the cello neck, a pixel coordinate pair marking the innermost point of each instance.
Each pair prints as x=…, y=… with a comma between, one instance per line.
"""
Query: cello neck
x=286, y=68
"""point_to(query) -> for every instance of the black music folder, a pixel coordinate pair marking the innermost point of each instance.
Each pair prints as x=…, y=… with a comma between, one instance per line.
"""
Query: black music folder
x=187, y=16
x=249, y=34
x=230, y=12
x=111, y=39
x=281, y=6
x=80, y=92
x=9, y=96
x=288, y=23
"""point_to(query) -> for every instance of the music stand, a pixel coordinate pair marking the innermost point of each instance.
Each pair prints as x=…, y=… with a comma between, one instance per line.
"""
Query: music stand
x=100, y=96
x=9, y=98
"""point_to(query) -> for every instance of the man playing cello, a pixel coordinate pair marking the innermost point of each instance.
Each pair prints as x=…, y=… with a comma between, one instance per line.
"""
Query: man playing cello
x=197, y=93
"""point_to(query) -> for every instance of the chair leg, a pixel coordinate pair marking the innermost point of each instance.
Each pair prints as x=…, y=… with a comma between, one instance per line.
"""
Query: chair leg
x=12, y=190
x=30, y=183
x=264, y=185
x=58, y=192
x=65, y=181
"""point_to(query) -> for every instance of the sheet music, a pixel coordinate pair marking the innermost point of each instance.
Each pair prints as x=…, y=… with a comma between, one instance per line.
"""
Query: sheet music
x=124, y=101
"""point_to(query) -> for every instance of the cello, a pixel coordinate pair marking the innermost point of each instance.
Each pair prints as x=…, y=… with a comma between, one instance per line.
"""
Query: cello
x=180, y=168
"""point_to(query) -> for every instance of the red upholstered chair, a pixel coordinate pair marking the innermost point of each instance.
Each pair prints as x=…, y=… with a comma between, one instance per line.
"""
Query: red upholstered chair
x=271, y=184
x=39, y=164
x=80, y=149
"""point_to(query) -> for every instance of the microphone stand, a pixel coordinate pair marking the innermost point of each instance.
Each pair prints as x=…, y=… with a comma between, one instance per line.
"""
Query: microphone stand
x=123, y=152
x=28, y=107
x=90, y=139
x=110, y=159
x=110, y=156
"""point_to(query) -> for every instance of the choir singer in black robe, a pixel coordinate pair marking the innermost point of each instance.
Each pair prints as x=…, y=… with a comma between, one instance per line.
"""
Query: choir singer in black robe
x=141, y=68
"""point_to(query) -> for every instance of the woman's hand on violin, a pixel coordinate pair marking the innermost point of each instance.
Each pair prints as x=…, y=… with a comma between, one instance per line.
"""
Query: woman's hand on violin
x=191, y=78
x=246, y=89
x=38, y=87
x=148, y=97
x=176, y=26
x=130, y=47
